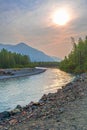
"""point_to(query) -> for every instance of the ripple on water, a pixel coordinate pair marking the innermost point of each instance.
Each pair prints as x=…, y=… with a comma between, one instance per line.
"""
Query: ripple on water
x=30, y=88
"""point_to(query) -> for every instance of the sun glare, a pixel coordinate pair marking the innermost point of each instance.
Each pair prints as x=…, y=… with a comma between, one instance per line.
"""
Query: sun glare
x=61, y=17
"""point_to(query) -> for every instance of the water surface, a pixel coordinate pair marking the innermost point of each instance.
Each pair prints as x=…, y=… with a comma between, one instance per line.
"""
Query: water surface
x=23, y=90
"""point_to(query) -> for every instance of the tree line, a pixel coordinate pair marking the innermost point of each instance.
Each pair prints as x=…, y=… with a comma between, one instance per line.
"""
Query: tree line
x=76, y=61
x=16, y=60
x=44, y=64
x=12, y=60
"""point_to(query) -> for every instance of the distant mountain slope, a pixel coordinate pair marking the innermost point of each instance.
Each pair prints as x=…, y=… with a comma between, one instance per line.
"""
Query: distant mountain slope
x=34, y=54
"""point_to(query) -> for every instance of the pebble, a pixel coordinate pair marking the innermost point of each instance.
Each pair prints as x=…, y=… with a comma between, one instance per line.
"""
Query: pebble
x=61, y=110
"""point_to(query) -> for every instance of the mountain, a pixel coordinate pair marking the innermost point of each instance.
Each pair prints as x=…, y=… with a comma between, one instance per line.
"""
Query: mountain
x=56, y=59
x=34, y=54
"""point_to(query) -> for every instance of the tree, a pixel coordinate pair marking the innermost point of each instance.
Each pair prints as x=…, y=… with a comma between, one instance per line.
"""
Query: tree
x=10, y=60
x=76, y=62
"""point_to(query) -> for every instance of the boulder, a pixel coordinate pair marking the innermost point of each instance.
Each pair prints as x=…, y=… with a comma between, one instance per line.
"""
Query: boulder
x=4, y=114
x=18, y=107
x=15, y=111
x=13, y=121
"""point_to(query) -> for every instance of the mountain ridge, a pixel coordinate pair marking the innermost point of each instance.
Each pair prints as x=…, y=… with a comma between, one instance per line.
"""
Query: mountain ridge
x=34, y=54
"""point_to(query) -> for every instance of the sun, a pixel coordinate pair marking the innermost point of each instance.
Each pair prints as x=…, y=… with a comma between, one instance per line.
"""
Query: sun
x=61, y=17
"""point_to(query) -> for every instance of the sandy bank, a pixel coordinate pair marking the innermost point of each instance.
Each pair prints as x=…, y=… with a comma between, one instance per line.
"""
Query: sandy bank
x=14, y=73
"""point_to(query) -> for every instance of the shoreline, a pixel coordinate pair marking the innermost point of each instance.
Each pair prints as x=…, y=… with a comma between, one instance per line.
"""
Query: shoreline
x=50, y=107
x=21, y=72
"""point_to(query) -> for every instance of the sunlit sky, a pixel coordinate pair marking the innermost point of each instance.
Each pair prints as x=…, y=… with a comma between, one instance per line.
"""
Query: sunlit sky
x=32, y=22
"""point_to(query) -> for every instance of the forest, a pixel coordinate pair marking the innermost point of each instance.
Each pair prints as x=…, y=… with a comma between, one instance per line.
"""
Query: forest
x=76, y=61
x=13, y=60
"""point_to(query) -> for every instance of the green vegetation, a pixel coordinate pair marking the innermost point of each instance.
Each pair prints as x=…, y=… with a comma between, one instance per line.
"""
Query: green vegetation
x=44, y=64
x=76, y=62
x=13, y=60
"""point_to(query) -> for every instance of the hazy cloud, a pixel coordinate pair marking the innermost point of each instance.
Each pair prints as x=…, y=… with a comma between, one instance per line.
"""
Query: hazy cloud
x=30, y=21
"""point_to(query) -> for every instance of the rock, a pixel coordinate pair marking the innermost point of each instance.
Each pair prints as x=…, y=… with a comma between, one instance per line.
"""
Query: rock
x=41, y=102
x=36, y=104
x=9, y=73
x=58, y=120
x=44, y=98
x=74, y=126
x=1, y=126
x=5, y=128
x=81, y=94
x=61, y=110
x=67, y=88
x=15, y=111
x=13, y=121
x=18, y=107
x=33, y=107
x=2, y=72
x=30, y=104
x=31, y=115
x=24, y=113
x=4, y=114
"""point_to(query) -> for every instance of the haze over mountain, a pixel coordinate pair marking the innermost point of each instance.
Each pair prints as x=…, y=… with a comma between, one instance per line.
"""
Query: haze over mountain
x=34, y=54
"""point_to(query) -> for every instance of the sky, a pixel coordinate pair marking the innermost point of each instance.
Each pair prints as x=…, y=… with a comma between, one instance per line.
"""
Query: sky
x=31, y=22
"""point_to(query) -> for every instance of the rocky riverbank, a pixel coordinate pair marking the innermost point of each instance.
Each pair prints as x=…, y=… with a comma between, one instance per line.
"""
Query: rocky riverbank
x=64, y=110
x=21, y=72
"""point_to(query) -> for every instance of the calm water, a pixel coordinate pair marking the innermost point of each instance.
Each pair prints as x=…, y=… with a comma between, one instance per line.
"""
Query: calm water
x=26, y=89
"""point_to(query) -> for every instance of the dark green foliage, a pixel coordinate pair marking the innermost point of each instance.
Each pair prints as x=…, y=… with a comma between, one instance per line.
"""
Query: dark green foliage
x=12, y=60
x=76, y=62
x=44, y=64
x=15, y=60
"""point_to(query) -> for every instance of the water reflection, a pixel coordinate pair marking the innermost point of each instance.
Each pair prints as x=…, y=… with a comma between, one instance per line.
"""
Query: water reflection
x=31, y=88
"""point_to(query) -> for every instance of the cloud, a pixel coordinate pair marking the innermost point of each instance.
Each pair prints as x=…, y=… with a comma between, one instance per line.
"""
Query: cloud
x=31, y=21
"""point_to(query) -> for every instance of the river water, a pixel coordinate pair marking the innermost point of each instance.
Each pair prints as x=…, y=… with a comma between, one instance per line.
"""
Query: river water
x=23, y=90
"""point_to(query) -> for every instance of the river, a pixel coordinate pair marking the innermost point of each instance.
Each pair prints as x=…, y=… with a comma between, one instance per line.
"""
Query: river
x=23, y=90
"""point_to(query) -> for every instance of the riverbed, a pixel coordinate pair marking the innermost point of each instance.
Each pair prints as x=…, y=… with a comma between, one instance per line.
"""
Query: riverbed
x=23, y=90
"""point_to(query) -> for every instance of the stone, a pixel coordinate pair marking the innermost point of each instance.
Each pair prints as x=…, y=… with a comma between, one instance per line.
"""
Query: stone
x=13, y=121
x=5, y=128
x=24, y=113
x=4, y=114
x=18, y=107
x=82, y=94
x=1, y=126
x=68, y=87
x=15, y=111
x=61, y=110
x=36, y=103
x=30, y=104
x=44, y=97
x=58, y=120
